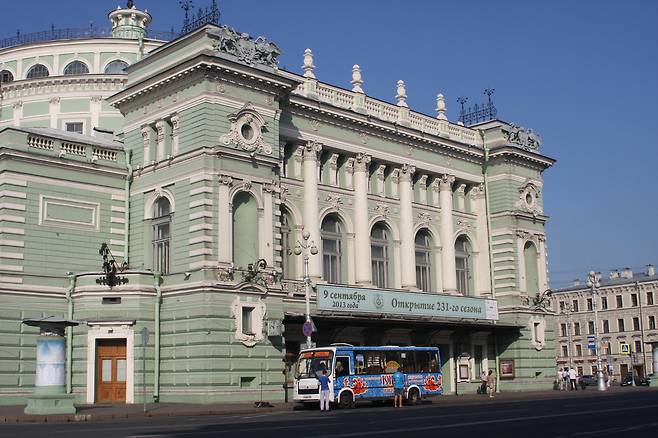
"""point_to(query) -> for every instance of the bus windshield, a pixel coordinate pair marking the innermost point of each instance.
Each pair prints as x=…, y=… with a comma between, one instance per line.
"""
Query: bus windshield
x=312, y=363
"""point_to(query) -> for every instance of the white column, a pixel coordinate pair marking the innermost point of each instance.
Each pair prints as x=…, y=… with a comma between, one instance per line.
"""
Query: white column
x=160, y=139
x=541, y=269
x=407, y=247
x=53, y=108
x=95, y=106
x=224, y=223
x=175, y=131
x=461, y=197
x=362, y=240
x=422, y=189
x=521, y=237
x=351, y=275
x=349, y=174
x=447, y=229
x=146, y=144
x=267, y=240
x=477, y=201
x=311, y=208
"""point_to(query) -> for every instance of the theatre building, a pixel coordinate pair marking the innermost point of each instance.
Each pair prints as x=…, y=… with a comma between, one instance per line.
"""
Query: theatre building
x=202, y=168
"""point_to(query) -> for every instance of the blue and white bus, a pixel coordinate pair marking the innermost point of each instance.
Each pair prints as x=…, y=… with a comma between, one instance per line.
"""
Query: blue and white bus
x=366, y=373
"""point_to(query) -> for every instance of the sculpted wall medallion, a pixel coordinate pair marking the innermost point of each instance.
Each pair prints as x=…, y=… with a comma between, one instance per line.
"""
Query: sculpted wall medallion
x=246, y=131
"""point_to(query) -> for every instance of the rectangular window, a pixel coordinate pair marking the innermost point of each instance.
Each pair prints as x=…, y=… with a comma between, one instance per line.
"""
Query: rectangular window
x=579, y=370
x=565, y=351
x=649, y=298
x=620, y=325
x=561, y=306
x=579, y=350
x=606, y=326
x=246, y=320
x=620, y=301
x=594, y=370
x=607, y=348
x=575, y=306
x=634, y=300
x=478, y=353
x=563, y=329
x=590, y=327
x=604, y=303
x=652, y=322
x=636, y=323
x=638, y=346
x=331, y=260
x=590, y=305
x=76, y=127
x=576, y=329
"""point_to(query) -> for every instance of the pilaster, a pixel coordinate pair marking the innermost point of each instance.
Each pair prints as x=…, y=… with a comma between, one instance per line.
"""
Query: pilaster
x=311, y=224
x=362, y=232
x=407, y=246
x=447, y=228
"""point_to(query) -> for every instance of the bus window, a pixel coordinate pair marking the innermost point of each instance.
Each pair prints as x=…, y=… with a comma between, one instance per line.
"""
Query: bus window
x=423, y=360
x=359, y=362
x=375, y=362
x=434, y=362
x=342, y=366
x=312, y=363
x=392, y=361
x=408, y=362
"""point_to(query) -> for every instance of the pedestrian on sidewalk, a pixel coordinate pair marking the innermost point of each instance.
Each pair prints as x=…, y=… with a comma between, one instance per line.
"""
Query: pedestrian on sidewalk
x=491, y=383
x=398, y=387
x=573, y=378
x=560, y=380
x=483, y=385
x=324, y=391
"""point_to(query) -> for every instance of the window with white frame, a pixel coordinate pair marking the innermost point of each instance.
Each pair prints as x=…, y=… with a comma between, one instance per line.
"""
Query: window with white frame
x=161, y=227
x=77, y=127
x=247, y=320
x=463, y=265
x=423, y=261
x=331, y=249
x=37, y=71
x=379, y=255
x=6, y=77
x=116, y=67
x=565, y=351
x=76, y=68
x=652, y=322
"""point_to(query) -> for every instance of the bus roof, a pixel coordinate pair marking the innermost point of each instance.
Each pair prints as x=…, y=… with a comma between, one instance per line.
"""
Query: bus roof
x=371, y=348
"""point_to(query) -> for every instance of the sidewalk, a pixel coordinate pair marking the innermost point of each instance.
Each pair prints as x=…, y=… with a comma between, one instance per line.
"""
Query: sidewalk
x=14, y=414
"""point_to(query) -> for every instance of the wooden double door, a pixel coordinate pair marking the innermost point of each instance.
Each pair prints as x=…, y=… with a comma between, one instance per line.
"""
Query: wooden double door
x=111, y=371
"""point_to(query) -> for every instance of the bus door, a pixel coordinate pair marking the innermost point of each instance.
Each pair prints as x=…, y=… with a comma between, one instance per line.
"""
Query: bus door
x=342, y=372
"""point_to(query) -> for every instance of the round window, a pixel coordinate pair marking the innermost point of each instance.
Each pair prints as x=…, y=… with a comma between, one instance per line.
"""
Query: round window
x=247, y=131
x=529, y=199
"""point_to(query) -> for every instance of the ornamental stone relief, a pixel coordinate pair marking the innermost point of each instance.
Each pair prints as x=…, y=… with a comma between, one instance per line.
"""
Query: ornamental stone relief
x=334, y=201
x=424, y=218
x=246, y=131
x=529, y=199
x=382, y=209
x=246, y=49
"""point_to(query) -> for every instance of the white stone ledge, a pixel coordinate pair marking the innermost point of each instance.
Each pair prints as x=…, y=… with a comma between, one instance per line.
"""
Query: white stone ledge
x=12, y=280
x=502, y=250
x=200, y=227
x=116, y=197
x=117, y=220
x=9, y=230
x=12, y=194
x=118, y=209
x=200, y=215
x=15, y=243
x=201, y=203
x=11, y=255
x=201, y=251
x=11, y=218
x=200, y=190
x=200, y=239
x=117, y=231
x=11, y=268
x=116, y=242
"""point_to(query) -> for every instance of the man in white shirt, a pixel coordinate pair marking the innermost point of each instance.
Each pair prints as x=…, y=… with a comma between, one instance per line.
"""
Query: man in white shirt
x=573, y=379
x=560, y=379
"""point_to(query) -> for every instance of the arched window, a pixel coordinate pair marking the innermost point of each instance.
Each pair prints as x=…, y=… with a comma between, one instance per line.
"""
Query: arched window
x=245, y=230
x=37, y=71
x=76, y=68
x=531, y=274
x=332, y=249
x=380, y=255
x=115, y=67
x=423, y=261
x=287, y=244
x=161, y=235
x=6, y=77
x=464, y=265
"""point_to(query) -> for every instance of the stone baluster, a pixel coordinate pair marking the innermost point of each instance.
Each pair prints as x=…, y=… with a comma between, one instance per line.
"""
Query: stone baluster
x=447, y=230
x=361, y=223
x=359, y=98
x=441, y=107
x=310, y=83
x=407, y=246
x=403, y=108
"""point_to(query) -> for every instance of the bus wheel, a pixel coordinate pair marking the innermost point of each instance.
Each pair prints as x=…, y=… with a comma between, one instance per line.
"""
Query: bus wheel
x=414, y=397
x=346, y=401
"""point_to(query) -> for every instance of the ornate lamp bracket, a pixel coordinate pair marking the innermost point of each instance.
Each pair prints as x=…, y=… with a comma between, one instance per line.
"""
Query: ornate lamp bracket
x=111, y=267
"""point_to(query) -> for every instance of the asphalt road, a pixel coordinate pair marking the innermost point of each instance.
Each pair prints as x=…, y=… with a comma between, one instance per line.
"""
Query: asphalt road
x=585, y=415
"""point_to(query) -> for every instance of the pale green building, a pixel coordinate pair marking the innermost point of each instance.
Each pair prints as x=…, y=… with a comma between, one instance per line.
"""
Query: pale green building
x=200, y=167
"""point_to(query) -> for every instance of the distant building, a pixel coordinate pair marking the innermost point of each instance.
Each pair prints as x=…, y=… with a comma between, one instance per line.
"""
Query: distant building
x=627, y=313
x=200, y=164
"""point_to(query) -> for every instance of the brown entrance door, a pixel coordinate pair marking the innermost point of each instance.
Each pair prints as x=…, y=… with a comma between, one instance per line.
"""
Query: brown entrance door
x=111, y=371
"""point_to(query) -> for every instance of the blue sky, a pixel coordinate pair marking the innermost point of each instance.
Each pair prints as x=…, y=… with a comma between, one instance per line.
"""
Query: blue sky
x=584, y=74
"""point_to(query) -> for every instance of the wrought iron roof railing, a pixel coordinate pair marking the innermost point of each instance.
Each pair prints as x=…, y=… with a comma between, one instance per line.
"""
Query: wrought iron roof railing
x=54, y=34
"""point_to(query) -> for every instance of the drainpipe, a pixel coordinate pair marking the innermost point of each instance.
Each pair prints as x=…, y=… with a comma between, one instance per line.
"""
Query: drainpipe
x=156, y=368
x=486, y=213
x=69, y=334
x=126, y=206
x=490, y=245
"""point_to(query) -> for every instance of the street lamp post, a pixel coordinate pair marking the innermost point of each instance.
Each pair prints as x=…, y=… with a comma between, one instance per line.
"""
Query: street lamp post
x=308, y=249
x=594, y=284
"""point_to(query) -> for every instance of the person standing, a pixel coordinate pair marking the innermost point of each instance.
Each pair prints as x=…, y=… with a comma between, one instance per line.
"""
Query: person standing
x=398, y=387
x=573, y=376
x=560, y=379
x=324, y=391
x=491, y=383
x=483, y=386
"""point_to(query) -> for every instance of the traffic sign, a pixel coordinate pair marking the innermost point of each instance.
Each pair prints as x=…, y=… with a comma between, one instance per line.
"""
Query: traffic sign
x=307, y=328
x=624, y=348
x=591, y=346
